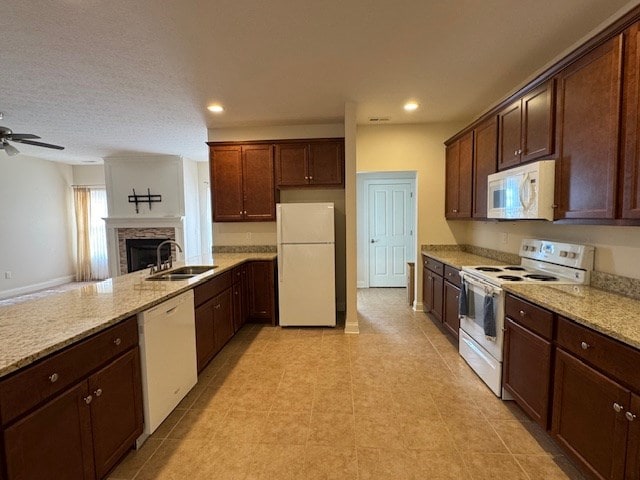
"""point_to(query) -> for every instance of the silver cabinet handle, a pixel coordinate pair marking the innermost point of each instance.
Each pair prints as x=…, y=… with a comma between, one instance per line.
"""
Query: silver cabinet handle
x=310, y=178
x=240, y=212
x=217, y=306
x=88, y=399
x=617, y=407
x=584, y=345
x=630, y=416
x=117, y=342
x=455, y=210
x=515, y=153
x=53, y=378
x=98, y=392
x=522, y=313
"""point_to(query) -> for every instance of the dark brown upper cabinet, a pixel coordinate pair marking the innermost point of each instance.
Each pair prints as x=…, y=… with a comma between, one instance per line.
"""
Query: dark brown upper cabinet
x=587, y=131
x=459, y=179
x=630, y=171
x=485, y=151
x=526, y=127
x=242, y=183
x=310, y=163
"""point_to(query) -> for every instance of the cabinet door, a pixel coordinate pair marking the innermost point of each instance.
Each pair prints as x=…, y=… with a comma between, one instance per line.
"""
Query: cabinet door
x=527, y=370
x=205, y=340
x=326, y=163
x=427, y=290
x=633, y=443
x=584, y=419
x=223, y=318
x=452, y=180
x=537, y=122
x=116, y=410
x=54, y=442
x=438, y=293
x=510, y=135
x=292, y=165
x=484, y=163
x=258, y=183
x=226, y=183
x=630, y=207
x=261, y=295
x=459, y=180
x=588, y=112
x=238, y=314
x=451, y=320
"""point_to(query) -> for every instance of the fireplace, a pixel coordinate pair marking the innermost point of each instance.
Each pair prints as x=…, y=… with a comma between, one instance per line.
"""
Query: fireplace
x=142, y=252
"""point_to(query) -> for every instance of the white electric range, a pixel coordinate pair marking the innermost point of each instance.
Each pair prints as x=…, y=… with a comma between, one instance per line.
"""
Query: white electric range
x=482, y=315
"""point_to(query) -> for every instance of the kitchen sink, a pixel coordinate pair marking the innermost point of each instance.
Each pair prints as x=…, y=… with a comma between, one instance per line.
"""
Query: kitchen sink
x=193, y=270
x=182, y=273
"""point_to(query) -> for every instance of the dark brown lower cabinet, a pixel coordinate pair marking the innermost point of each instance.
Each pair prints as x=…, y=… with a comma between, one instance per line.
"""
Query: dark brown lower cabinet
x=261, y=301
x=451, y=320
x=84, y=431
x=527, y=370
x=589, y=417
x=116, y=410
x=222, y=318
x=633, y=439
x=54, y=441
x=205, y=339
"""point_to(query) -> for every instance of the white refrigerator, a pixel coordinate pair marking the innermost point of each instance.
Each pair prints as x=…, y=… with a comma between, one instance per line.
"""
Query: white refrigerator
x=306, y=264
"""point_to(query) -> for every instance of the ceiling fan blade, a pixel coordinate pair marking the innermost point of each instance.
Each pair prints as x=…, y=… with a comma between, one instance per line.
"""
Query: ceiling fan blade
x=20, y=136
x=10, y=149
x=38, y=144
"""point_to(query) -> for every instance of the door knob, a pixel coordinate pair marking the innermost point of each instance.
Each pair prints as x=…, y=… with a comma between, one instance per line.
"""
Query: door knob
x=373, y=241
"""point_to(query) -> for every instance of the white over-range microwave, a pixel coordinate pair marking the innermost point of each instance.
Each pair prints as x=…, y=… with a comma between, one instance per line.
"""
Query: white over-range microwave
x=525, y=192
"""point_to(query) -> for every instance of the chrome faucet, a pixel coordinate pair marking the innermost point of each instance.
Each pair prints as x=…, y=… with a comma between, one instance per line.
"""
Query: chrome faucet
x=158, y=261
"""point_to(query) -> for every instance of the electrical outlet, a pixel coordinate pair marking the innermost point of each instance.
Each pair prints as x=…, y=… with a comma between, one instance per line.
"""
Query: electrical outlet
x=8, y=275
x=504, y=238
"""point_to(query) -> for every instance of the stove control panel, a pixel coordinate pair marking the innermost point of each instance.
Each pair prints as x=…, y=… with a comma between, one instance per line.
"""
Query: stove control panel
x=565, y=254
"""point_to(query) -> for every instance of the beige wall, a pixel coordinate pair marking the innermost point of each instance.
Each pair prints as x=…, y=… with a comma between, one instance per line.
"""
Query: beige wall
x=617, y=248
x=37, y=218
x=418, y=148
x=88, y=175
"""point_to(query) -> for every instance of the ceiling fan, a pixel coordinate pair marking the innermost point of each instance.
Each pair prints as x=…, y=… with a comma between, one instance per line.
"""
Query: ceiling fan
x=7, y=135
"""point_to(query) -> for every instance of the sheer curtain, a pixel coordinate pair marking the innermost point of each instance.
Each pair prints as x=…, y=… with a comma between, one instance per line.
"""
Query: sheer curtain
x=98, y=234
x=91, y=207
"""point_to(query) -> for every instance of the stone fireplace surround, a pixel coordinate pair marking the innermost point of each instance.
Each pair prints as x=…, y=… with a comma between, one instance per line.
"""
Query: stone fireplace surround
x=121, y=229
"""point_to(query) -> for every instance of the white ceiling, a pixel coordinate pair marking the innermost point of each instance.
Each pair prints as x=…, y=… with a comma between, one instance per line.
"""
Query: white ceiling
x=134, y=76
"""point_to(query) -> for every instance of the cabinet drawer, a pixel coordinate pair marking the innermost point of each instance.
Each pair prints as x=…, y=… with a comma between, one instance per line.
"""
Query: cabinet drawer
x=614, y=358
x=533, y=317
x=213, y=287
x=434, y=265
x=36, y=383
x=452, y=275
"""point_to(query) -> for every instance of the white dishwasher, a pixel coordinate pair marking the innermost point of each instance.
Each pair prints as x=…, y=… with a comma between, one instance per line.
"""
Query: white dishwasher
x=168, y=356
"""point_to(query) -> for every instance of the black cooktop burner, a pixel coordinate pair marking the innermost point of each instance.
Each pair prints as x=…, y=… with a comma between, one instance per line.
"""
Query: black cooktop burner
x=515, y=269
x=511, y=278
x=488, y=269
x=542, y=277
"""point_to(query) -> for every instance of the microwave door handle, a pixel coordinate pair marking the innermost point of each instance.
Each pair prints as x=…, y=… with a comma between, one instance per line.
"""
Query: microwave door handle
x=525, y=182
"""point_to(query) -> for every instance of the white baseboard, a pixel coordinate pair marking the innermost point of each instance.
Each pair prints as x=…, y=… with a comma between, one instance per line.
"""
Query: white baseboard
x=418, y=306
x=38, y=286
x=352, y=328
x=362, y=284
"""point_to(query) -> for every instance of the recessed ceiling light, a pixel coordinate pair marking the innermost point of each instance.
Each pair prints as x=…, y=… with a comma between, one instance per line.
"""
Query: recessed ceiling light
x=215, y=108
x=411, y=106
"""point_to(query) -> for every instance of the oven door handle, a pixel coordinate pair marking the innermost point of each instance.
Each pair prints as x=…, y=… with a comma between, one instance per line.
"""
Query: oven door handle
x=487, y=287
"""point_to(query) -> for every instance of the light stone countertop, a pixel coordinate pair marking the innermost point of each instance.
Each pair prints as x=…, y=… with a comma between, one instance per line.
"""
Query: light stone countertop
x=458, y=259
x=614, y=315
x=611, y=314
x=34, y=329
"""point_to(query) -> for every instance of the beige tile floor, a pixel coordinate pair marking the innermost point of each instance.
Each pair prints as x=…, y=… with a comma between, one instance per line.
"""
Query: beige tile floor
x=395, y=402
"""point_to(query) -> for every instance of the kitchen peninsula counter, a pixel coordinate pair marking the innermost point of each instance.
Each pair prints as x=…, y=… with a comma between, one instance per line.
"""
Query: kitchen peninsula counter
x=33, y=329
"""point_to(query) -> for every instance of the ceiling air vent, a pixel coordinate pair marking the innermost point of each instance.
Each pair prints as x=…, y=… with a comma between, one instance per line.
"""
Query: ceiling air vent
x=379, y=119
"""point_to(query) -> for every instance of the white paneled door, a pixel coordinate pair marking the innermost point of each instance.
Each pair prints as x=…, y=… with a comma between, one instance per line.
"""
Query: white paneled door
x=390, y=233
